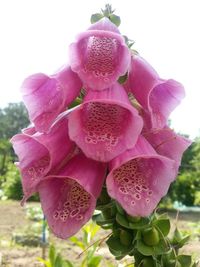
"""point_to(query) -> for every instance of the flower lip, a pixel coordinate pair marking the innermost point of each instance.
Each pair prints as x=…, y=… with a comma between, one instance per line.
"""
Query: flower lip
x=139, y=177
x=99, y=57
x=68, y=198
x=99, y=126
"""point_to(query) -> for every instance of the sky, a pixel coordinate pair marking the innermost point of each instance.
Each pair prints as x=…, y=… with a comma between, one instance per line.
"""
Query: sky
x=35, y=34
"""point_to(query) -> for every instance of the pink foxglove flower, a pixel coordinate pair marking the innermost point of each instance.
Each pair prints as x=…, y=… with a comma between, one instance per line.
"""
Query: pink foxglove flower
x=169, y=144
x=139, y=178
x=157, y=97
x=46, y=96
x=100, y=55
x=106, y=124
x=40, y=153
x=68, y=198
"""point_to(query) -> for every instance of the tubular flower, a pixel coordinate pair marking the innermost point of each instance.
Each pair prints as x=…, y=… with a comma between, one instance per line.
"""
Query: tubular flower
x=100, y=56
x=46, y=97
x=157, y=97
x=169, y=144
x=106, y=124
x=139, y=178
x=41, y=153
x=68, y=198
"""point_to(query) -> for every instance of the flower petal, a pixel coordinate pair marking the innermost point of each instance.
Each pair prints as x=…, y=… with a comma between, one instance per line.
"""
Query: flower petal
x=158, y=97
x=45, y=97
x=99, y=58
x=39, y=153
x=104, y=24
x=169, y=144
x=106, y=124
x=68, y=199
x=139, y=178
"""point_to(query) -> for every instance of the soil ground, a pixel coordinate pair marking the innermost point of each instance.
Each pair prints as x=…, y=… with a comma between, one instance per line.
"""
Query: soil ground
x=13, y=219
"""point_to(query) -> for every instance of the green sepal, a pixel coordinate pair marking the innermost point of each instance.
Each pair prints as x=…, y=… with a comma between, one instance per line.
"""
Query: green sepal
x=107, y=226
x=163, y=225
x=178, y=240
x=185, y=260
x=96, y=17
x=139, y=225
x=120, y=209
x=115, y=19
x=75, y=103
x=123, y=79
x=100, y=220
x=170, y=255
x=147, y=262
x=133, y=219
x=159, y=249
x=105, y=206
x=121, y=219
x=116, y=247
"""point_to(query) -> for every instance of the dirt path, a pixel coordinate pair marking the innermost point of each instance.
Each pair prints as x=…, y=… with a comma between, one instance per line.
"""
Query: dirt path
x=13, y=219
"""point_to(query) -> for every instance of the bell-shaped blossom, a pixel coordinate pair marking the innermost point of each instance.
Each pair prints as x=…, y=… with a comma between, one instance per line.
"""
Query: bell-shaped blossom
x=46, y=97
x=167, y=143
x=40, y=153
x=139, y=178
x=106, y=124
x=157, y=97
x=99, y=55
x=68, y=198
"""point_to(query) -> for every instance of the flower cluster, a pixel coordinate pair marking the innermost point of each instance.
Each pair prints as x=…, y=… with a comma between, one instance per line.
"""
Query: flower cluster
x=118, y=135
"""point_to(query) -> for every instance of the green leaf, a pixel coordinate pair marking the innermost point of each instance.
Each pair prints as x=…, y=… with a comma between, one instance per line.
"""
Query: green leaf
x=45, y=262
x=76, y=241
x=96, y=17
x=185, y=260
x=183, y=241
x=58, y=261
x=52, y=254
x=115, y=19
x=163, y=225
x=67, y=263
x=95, y=261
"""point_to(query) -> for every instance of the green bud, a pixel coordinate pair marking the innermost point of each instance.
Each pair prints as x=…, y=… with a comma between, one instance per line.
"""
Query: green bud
x=116, y=230
x=150, y=236
x=147, y=262
x=125, y=238
x=133, y=219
